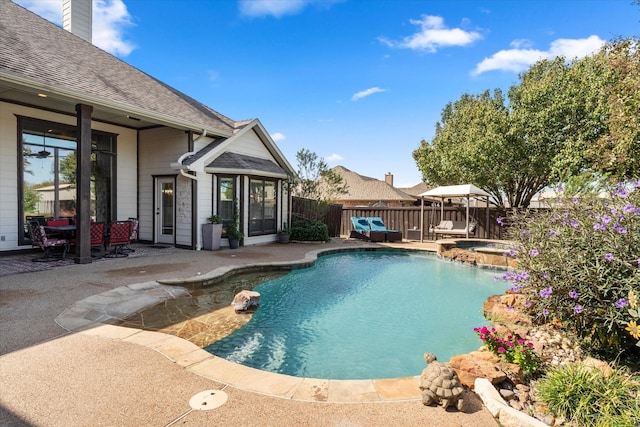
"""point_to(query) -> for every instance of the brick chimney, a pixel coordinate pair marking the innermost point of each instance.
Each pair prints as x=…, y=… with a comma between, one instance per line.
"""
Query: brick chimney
x=76, y=17
x=388, y=178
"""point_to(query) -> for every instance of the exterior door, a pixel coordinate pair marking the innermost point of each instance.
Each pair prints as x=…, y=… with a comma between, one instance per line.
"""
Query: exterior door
x=165, y=210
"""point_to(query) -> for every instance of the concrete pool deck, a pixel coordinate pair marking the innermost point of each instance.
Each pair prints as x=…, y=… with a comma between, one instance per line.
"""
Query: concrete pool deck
x=84, y=371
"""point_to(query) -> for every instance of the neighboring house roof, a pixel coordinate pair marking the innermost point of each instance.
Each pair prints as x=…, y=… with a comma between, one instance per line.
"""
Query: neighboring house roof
x=365, y=188
x=416, y=190
x=38, y=56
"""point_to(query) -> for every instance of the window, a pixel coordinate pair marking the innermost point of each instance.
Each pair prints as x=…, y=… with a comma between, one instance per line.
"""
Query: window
x=226, y=194
x=262, y=207
x=47, y=173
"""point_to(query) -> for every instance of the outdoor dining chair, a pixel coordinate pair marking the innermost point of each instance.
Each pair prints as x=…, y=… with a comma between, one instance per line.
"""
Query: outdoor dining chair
x=118, y=237
x=40, y=239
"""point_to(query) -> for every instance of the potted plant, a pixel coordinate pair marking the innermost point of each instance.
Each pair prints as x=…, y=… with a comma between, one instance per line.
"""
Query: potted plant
x=283, y=234
x=211, y=233
x=233, y=229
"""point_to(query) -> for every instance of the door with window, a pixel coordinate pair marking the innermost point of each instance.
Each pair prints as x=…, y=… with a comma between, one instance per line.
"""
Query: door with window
x=165, y=210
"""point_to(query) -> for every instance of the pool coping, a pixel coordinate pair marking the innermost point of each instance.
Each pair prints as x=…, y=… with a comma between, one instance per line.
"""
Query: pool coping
x=92, y=316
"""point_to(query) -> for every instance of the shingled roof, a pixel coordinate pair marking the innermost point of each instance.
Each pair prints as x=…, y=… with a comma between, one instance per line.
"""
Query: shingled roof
x=36, y=53
x=365, y=188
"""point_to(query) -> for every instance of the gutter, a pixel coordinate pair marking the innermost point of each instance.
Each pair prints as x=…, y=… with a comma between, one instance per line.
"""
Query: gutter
x=181, y=169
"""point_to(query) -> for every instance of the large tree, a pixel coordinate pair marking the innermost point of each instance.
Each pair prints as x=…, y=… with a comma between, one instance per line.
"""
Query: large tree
x=563, y=118
x=617, y=152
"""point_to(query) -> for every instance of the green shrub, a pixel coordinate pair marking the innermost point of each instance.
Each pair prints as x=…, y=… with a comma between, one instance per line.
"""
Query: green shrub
x=587, y=397
x=580, y=263
x=310, y=231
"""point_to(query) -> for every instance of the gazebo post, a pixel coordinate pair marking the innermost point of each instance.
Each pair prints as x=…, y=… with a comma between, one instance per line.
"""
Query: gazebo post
x=421, y=218
x=467, y=228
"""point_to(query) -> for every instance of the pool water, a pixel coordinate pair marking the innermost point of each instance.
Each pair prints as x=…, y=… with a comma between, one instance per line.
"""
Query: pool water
x=362, y=315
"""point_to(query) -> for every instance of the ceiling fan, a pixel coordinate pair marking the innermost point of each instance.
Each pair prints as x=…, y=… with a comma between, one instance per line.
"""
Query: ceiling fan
x=42, y=154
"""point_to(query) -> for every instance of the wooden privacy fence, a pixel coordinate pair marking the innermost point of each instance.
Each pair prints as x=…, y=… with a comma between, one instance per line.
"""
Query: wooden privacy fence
x=311, y=210
x=407, y=220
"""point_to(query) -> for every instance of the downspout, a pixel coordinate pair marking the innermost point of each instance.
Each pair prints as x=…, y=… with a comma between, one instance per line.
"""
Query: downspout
x=185, y=155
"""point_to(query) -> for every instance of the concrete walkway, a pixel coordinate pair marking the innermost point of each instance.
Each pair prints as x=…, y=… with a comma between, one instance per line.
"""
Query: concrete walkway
x=111, y=376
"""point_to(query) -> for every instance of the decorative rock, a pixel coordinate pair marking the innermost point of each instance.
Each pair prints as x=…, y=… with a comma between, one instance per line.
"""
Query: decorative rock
x=600, y=365
x=245, y=300
x=440, y=384
x=507, y=394
x=470, y=368
x=515, y=404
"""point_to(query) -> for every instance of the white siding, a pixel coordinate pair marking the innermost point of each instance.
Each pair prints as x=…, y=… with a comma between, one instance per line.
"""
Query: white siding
x=250, y=145
x=158, y=149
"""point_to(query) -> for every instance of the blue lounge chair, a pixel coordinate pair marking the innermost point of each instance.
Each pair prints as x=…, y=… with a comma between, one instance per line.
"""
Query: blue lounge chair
x=377, y=225
x=362, y=230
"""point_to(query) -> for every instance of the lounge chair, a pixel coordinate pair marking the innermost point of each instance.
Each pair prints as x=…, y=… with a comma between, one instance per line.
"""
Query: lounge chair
x=361, y=228
x=377, y=226
x=454, y=228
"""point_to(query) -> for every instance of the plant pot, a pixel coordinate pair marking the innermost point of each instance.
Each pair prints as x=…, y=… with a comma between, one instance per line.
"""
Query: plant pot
x=211, y=236
x=234, y=243
x=283, y=238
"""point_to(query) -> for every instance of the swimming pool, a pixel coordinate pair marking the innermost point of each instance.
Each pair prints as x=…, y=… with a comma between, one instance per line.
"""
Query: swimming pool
x=361, y=315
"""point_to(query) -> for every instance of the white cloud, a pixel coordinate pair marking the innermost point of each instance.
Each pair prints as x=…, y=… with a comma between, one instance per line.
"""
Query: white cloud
x=278, y=137
x=433, y=34
x=366, y=92
x=110, y=19
x=517, y=59
x=333, y=158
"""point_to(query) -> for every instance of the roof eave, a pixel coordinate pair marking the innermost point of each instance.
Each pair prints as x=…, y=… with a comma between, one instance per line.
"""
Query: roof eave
x=82, y=98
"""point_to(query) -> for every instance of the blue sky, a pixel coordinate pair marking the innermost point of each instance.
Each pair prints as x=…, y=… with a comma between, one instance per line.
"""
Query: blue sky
x=358, y=82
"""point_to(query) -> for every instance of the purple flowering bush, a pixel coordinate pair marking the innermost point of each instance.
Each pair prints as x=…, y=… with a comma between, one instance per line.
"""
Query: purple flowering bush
x=579, y=262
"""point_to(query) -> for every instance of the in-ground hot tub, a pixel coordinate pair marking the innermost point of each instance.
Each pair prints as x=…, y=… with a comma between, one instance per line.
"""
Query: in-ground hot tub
x=483, y=252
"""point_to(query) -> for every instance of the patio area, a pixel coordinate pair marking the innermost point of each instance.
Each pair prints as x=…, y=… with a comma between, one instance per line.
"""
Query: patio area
x=109, y=375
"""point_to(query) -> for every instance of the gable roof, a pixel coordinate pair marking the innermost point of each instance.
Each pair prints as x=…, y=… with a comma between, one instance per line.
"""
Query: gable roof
x=365, y=188
x=241, y=163
x=37, y=56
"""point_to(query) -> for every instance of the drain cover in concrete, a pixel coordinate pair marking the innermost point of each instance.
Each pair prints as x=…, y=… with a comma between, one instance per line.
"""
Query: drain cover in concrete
x=208, y=399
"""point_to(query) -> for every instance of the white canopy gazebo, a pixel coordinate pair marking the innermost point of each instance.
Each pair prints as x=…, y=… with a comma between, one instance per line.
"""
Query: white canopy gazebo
x=454, y=191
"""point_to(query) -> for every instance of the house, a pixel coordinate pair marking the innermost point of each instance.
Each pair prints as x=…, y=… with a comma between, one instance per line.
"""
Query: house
x=364, y=191
x=131, y=146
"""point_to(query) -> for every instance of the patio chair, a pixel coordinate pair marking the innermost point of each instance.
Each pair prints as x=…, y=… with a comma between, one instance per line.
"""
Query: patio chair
x=361, y=228
x=377, y=225
x=118, y=238
x=97, y=231
x=40, y=240
x=134, y=235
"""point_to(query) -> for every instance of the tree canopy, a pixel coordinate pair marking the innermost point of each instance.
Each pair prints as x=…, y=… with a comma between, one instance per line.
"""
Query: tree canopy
x=562, y=118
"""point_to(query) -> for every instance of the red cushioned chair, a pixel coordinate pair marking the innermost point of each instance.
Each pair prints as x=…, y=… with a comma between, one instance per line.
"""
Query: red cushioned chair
x=118, y=238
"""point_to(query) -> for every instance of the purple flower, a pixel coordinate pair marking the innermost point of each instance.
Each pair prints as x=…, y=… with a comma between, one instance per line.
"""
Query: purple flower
x=628, y=209
x=500, y=221
x=621, y=192
x=609, y=256
x=510, y=307
x=573, y=294
x=574, y=223
x=554, y=233
x=560, y=189
x=545, y=275
x=578, y=309
x=606, y=219
x=546, y=292
x=512, y=252
x=620, y=229
x=575, y=200
x=545, y=312
x=527, y=303
x=597, y=227
x=533, y=252
x=636, y=184
x=621, y=303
